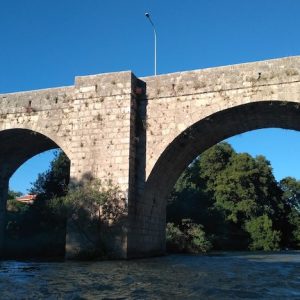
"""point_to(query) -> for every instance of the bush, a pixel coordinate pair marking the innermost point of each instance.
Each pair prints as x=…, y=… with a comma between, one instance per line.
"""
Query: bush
x=16, y=206
x=175, y=238
x=196, y=239
x=187, y=237
x=104, y=203
x=92, y=208
x=263, y=237
x=96, y=212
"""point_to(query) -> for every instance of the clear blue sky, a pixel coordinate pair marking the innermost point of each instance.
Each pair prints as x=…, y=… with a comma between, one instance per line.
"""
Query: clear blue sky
x=47, y=43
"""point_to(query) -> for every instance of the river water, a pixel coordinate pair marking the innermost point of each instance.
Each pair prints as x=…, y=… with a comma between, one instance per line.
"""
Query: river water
x=225, y=275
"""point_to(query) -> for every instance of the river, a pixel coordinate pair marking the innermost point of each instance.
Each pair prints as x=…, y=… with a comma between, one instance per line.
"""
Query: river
x=224, y=275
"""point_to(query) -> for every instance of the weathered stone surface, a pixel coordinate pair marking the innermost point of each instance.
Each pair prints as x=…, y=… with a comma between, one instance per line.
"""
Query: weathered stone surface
x=189, y=112
x=142, y=133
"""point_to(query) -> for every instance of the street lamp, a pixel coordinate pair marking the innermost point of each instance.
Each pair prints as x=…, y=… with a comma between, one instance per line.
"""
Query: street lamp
x=147, y=15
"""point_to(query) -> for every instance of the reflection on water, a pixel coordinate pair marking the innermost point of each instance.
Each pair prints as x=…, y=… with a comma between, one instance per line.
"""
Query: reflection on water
x=216, y=276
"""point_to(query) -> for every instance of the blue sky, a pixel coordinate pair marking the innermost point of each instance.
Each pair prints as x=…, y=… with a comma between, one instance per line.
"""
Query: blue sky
x=47, y=43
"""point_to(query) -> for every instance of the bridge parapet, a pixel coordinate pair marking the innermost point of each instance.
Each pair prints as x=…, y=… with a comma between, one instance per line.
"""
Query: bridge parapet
x=220, y=79
x=39, y=100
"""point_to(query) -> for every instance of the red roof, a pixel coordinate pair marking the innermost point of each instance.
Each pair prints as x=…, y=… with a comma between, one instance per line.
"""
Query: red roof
x=26, y=198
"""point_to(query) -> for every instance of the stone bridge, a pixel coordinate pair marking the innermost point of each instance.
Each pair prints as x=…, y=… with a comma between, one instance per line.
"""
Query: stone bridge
x=141, y=133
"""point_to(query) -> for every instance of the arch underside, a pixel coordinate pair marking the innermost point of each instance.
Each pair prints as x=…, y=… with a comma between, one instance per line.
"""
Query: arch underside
x=19, y=145
x=210, y=131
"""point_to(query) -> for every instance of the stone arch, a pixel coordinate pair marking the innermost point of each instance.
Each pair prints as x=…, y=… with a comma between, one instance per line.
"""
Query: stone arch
x=199, y=137
x=17, y=146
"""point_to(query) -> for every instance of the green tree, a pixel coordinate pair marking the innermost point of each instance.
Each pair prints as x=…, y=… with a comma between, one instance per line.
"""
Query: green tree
x=96, y=210
x=263, y=236
x=40, y=228
x=187, y=237
x=196, y=240
x=50, y=185
x=291, y=215
x=225, y=190
x=291, y=191
x=294, y=234
x=193, y=194
x=175, y=238
x=246, y=188
x=211, y=163
x=54, y=182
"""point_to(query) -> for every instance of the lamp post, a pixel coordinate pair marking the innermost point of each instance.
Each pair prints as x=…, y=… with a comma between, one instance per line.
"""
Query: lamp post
x=147, y=15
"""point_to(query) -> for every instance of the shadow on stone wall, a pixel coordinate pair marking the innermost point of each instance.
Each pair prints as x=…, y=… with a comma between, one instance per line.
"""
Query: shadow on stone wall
x=96, y=221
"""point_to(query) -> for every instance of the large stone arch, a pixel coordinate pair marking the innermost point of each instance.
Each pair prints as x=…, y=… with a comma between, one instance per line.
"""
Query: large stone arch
x=17, y=146
x=214, y=128
x=195, y=139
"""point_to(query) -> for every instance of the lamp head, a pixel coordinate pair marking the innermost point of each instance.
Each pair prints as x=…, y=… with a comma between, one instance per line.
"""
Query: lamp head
x=147, y=15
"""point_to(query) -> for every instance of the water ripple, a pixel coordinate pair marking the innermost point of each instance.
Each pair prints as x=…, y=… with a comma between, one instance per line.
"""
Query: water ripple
x=219, y=276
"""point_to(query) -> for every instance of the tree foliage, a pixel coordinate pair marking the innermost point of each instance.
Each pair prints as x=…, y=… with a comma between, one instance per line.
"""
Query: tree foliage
x=238, y=201
x=291, y=201
x=263, y=236
x=291, y=191
x=43, y=222
x=54, y=182
x=187, y=237
x=92, y=206
x=101, y=202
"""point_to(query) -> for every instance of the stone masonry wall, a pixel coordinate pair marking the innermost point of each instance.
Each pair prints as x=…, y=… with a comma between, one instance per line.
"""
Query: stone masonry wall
x=178, y=100
x=142, y=133
x=181, y=122
x=90, y=122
